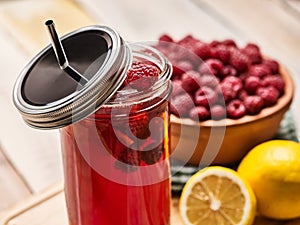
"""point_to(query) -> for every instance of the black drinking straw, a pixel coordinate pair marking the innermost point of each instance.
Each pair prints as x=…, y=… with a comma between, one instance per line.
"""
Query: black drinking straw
x=61, y=56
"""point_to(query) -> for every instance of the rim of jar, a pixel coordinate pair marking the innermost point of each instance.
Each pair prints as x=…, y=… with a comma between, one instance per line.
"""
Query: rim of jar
x=161, y=88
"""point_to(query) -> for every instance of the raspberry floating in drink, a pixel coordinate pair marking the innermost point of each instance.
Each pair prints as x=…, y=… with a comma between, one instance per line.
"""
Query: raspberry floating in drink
x=141, y=76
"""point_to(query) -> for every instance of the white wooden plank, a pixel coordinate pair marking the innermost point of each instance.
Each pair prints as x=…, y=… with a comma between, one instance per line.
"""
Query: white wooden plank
x=12, y=187
x=142, y=20
x=49, y=209
x=35, y=154
x=24, y=20
x=264, y=22
x=293, y=6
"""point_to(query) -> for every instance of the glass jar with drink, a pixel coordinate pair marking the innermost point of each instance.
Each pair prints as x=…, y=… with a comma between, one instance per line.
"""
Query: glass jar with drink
x=109, y=100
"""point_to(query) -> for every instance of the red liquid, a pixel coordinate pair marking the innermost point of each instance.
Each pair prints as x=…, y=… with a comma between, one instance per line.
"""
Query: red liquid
x=107, y=180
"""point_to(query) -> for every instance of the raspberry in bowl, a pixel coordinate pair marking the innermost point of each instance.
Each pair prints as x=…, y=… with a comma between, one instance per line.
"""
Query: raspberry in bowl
x=225, y=100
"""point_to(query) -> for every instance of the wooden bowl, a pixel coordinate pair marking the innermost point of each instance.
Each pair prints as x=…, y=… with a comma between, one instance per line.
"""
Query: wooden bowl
x=227, y=141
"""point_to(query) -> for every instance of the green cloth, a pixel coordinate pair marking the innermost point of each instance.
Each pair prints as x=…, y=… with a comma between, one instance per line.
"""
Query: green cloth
x=182, y=172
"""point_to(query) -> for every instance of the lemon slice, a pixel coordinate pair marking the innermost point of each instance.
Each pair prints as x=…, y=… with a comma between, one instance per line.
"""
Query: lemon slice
x=217, y=196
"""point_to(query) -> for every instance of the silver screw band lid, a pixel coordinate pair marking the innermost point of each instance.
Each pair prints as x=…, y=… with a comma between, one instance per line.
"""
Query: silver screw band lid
x=48, y=98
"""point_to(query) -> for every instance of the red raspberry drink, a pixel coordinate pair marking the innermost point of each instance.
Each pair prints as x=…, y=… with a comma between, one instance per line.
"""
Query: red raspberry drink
x=99, y=199
x=113, y=115
x=116, y=161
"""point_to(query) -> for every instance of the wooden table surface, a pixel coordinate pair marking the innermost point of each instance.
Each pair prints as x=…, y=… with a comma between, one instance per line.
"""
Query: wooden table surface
x=30, y=160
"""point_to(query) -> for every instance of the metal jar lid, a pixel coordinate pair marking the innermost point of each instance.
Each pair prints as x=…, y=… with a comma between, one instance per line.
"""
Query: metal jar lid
x=48, y=98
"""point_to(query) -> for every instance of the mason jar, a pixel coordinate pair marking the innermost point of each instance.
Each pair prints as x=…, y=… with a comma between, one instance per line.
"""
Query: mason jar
x=114, y=133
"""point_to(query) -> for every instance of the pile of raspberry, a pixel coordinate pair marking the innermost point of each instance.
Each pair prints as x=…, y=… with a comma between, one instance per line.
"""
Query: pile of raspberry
x=219, y=79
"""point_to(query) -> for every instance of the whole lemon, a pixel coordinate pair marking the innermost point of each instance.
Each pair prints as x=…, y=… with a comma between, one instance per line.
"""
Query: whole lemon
x=273, y=171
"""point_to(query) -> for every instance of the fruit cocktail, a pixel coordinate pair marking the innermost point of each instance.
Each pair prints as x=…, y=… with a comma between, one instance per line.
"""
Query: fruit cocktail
x=116, y=160
x=109, y=100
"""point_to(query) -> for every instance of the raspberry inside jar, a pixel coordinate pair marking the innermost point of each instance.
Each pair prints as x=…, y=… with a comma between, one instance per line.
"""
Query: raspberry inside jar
x=134, y=133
